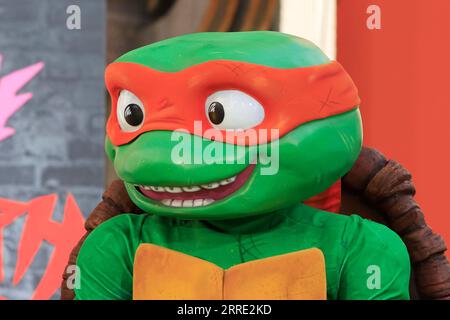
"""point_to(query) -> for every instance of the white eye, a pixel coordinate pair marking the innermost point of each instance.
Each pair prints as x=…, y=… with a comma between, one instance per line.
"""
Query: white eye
x=233, y=110
x=130, y=111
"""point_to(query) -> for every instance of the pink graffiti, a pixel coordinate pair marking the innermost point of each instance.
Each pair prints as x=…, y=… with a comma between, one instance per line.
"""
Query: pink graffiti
x=10, y=100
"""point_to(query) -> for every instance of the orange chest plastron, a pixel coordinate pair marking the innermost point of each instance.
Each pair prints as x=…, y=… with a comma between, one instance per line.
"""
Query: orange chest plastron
x=165, y=274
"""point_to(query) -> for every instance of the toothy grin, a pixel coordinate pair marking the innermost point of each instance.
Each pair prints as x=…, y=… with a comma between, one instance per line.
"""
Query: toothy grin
x=186, y=203
x=208, y=186
x=195, y=195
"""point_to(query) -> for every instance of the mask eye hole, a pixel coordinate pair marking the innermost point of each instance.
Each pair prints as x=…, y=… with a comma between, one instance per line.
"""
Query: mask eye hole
x=233, y=110
x=130, y=111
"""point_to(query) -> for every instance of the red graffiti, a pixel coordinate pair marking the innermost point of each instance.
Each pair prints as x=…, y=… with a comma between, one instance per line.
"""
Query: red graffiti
x=38, y=227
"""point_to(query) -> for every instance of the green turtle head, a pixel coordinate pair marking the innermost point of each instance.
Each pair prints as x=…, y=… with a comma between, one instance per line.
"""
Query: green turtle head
x=189, y=175
x=267, y=48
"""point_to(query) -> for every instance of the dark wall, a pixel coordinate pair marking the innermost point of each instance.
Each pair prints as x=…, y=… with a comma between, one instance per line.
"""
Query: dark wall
x=58, y=144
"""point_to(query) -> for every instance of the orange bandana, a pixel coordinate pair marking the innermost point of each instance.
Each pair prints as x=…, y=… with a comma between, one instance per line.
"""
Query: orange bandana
x=174, y=100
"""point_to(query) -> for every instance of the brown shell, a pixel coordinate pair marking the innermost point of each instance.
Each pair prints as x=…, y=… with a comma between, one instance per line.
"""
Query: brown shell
x=382, y=190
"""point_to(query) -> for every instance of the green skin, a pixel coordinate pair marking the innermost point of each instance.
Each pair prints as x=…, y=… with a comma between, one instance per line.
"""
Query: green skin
x=258, y=220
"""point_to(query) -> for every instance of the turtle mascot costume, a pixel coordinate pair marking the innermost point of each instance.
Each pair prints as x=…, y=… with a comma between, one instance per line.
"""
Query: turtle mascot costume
x=220, y=138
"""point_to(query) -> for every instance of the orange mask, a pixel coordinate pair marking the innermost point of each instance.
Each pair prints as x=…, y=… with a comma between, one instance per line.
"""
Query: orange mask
x=174, y=100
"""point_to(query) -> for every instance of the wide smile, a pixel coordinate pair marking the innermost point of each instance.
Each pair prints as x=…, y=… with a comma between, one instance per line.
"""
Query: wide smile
x=196, y=195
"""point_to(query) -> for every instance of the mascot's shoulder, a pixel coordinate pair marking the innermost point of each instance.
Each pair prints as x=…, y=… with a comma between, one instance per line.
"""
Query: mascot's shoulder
x=351, y=228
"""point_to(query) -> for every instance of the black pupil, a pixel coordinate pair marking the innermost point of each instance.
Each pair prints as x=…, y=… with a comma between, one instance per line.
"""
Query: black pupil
x=216, y=112
x=133, y=115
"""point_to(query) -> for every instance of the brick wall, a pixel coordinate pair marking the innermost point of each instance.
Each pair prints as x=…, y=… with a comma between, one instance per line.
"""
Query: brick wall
x=58, y=146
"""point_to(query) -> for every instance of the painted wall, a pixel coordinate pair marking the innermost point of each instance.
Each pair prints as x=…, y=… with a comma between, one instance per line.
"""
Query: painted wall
x=402, y=72
x=58, y=143
x=314, y=20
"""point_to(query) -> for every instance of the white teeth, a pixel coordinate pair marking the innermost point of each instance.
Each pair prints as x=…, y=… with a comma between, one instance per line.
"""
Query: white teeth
x=186, y=203
x=207, y=201
x=209, y=186
x=215, y=185
x=198, y=202
x=173, y=189
x=224, y=182
x=191, y=189
x=176, y=203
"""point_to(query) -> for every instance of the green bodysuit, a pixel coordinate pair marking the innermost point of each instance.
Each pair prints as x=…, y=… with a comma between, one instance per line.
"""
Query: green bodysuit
x=351, y=245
